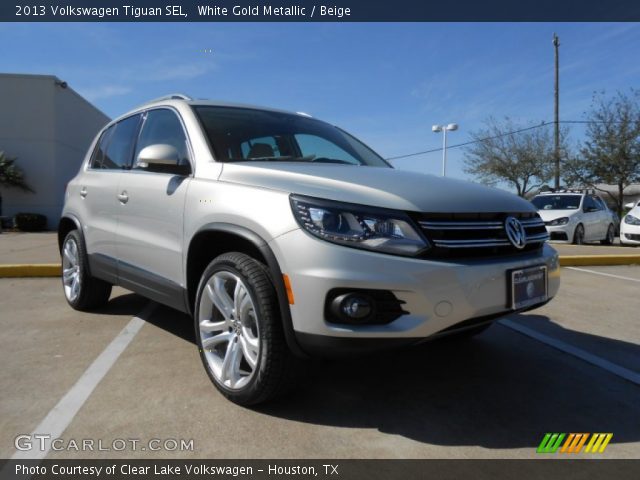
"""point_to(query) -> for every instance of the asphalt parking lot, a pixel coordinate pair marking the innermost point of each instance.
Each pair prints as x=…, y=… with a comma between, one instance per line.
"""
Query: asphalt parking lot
x=490, y=397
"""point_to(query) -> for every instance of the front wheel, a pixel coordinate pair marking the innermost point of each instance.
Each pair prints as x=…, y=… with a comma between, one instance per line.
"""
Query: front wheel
x=239, y=331
x=82, y=291
x=608, y=240
x=578, y=235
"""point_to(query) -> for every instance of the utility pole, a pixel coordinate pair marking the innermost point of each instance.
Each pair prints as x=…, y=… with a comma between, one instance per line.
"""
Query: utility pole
x=556, y=113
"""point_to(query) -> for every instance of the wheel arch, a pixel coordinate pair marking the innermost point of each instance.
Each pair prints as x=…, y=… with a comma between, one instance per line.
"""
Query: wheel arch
x=216, y=238
x=573, y=237
x=66, y=224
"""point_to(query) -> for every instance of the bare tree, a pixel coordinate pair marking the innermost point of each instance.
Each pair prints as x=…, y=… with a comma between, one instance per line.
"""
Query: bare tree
x=611, y=153
x=520, y=157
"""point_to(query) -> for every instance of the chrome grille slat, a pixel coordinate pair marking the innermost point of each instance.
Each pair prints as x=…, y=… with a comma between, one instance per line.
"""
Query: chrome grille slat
x=474, y=245
x=473, y=236
x=443, y=226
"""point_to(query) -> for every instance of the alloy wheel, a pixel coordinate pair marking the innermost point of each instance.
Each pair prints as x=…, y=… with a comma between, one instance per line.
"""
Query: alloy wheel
x=229, y=330
x=71, y=275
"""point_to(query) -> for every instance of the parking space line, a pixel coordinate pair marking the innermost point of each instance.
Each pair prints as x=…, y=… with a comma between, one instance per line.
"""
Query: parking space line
x=611, y=367
x=60, y=416
x=620, y=277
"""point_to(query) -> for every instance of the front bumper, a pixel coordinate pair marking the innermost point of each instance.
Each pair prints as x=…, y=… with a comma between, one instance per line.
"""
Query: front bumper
x=436, y=294
x=629, y=234
x=563, y=233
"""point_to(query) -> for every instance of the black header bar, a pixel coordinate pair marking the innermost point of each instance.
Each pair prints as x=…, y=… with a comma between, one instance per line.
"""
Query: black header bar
x=334, y=469
x=312, y=11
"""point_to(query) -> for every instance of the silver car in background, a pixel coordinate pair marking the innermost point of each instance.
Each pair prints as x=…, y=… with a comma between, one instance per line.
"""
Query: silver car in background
x=577, y=216
x=284, y=237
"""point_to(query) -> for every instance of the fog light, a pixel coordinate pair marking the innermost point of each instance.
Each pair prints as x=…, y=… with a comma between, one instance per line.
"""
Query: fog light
x=353, y=307
x=356, y=306
x=362, y=306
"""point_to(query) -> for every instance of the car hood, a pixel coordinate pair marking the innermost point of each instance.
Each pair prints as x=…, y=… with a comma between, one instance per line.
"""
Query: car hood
x=375, y=186
x=635, y=211
x=548, y=215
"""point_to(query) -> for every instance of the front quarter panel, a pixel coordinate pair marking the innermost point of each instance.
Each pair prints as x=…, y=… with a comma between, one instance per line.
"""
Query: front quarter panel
x=265, y=212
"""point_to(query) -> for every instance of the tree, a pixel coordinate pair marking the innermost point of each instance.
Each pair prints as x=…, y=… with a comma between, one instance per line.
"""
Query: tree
x=502, y=152
x=11, y=176
x=611, y=153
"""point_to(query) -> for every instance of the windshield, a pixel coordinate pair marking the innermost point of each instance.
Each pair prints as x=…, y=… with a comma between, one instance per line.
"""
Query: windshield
x=557, y=202
x=249, y=135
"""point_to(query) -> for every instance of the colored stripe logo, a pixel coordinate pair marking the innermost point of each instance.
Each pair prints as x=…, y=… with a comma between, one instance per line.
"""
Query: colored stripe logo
x=574, y=443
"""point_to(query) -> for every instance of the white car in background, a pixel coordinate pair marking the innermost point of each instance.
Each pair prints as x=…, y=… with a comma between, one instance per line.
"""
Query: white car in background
x=576, y=216
x=630, y=225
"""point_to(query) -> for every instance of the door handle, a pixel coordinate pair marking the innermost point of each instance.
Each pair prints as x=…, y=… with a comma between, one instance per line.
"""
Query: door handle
x=83, y=192
x=123, y=197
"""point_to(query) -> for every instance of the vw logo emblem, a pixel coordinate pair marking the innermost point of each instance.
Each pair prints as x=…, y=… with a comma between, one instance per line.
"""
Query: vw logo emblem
x=515, y=232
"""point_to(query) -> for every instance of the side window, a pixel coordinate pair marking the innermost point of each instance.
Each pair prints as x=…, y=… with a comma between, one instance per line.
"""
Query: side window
x=590, y=204
x=602, y=203
x=99, y=153
x=120, y=146
x=163, y=126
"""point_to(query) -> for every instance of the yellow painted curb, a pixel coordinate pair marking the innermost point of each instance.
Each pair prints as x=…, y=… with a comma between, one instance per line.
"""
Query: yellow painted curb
x=31, y=270
x=55, y=269
x=598, y=260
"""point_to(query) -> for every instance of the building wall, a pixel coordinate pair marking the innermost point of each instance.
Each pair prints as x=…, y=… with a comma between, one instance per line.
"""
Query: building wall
x=48, y=128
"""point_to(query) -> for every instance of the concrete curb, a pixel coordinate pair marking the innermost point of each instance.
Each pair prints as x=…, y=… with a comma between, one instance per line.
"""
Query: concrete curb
x=55, y=269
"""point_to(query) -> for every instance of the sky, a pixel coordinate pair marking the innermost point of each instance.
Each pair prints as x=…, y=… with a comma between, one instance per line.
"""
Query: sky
x=386, y=83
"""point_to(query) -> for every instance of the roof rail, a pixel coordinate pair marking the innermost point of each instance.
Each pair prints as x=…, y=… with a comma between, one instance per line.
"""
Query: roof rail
x=587, y=191
x=171, y=96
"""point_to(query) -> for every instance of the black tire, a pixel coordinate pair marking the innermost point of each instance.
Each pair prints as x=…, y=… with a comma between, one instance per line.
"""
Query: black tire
x=93, y=292
x=276, y=368
x=611, y=232
x=578, y=235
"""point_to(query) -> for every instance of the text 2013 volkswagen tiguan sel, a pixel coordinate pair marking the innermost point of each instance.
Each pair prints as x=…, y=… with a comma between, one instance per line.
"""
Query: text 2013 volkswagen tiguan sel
x=284, y=236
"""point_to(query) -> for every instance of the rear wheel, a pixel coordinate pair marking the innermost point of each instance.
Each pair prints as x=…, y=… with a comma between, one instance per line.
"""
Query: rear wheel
x=608, y=240
x=82, y=291
x=578, y=235
x=239, y=331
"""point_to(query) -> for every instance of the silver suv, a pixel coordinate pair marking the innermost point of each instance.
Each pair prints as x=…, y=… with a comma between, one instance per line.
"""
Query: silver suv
x=284, y=237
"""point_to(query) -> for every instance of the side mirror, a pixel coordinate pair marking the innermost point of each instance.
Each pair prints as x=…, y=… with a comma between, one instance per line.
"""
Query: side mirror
x=159, y=154
x=629, y=205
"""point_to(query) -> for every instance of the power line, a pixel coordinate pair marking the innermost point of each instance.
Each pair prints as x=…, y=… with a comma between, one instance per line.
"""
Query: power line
x=469, y=142
x=513, y=132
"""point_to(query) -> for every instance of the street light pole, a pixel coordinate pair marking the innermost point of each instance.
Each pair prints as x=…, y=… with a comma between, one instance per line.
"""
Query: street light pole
x=444, y=129
x=556, y=113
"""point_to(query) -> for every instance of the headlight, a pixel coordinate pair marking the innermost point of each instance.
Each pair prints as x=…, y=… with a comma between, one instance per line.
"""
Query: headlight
x=559, y=221
x=358, y=226
x=631, y=220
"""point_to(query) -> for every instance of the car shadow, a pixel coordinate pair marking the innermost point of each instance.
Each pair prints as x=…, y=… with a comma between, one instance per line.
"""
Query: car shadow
x=499, y=390
x=125, y=304
x=172, y=321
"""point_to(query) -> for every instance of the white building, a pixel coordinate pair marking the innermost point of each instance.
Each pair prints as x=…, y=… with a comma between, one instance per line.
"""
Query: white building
x=48, y=127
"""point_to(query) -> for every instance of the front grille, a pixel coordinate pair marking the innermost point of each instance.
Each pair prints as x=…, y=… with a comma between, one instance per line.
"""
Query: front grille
x=633, y=236
x=478, y=235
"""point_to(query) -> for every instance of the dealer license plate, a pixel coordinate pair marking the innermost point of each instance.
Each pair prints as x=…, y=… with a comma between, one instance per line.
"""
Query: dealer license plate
x=528, y=287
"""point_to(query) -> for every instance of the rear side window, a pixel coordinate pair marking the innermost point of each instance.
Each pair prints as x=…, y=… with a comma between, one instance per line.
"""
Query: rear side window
x=101, y=149
x=119, y=144
x=591, y=203
x=163, y=126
